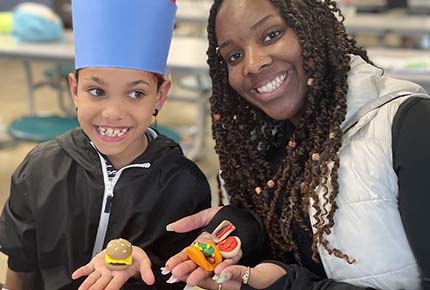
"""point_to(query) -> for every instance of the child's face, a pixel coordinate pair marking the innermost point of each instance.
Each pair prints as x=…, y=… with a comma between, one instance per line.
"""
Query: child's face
x=115, y=107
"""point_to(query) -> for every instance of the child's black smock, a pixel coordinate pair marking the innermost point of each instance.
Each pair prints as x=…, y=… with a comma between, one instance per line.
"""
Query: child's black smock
x=49, y=223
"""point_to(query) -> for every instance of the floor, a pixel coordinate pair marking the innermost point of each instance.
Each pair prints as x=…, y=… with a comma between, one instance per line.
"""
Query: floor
x=13, y=95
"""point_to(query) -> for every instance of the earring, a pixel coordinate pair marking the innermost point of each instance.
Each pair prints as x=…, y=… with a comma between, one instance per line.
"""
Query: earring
x=155, y=115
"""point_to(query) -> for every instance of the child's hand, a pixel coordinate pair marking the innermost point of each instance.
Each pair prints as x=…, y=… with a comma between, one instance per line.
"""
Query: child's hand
x=100, y=277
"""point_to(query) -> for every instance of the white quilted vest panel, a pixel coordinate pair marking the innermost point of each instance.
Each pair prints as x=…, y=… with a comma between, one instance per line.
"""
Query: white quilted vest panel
x=367, y=226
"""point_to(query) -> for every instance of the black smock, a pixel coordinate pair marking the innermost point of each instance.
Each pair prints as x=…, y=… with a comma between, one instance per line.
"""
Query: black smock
x=50, y=221
x=411, y=159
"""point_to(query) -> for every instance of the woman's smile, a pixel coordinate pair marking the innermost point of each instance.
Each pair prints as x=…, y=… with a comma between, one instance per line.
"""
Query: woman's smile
x=271, y=89
x=272, y=85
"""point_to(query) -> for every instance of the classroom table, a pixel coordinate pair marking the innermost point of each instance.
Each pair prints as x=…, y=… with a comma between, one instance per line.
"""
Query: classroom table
x=187, y=57
x=193, y=11
x=394, y=20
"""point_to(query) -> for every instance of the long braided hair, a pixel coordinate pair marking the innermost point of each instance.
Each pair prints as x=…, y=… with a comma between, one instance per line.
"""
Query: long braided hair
x=244, y=134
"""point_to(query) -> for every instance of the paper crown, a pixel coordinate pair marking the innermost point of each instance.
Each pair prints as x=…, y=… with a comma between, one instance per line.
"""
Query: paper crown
x=133, y=34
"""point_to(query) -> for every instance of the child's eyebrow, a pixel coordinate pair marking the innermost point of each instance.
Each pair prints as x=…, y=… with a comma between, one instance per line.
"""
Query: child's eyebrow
x=96, y=79
x=135, y=83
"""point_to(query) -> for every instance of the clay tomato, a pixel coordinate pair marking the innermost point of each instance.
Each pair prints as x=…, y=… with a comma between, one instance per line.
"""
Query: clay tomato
x=229, y=247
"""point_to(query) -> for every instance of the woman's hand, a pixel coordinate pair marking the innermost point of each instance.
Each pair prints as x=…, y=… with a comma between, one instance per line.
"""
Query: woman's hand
x=184, y=269
x=101, y=277
x=195, y=221
x=180, y=265
x=260, y=277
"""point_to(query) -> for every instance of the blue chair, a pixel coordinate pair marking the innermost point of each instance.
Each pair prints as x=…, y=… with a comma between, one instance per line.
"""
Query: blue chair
x=41, y=128
x=169, y=132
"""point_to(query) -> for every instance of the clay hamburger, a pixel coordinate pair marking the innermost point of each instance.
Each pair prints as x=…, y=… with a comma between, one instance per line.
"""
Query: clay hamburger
x=118, y=254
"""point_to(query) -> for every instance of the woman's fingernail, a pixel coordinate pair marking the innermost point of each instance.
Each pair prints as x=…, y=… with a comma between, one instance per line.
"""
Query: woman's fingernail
x=169, y=228
x=222, y=278
x=172, y=280
x=188, y=287
x=164, y=271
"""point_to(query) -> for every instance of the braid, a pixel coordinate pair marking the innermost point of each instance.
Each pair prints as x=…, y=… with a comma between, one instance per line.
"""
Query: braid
x=243, y=134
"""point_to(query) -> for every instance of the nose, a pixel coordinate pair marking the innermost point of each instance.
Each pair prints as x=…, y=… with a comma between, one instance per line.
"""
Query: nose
x=113, y=110
x=255, y=61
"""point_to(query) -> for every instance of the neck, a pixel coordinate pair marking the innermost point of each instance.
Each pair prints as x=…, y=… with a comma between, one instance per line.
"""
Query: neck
x=121, y=161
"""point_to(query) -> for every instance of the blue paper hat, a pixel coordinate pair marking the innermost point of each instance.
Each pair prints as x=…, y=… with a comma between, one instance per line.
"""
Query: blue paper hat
x=133, y=34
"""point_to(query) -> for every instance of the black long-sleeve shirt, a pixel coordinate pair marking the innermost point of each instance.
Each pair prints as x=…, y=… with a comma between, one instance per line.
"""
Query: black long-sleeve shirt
x=411, y=156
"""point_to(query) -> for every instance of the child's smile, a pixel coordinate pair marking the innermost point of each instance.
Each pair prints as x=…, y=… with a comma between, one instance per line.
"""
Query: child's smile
x=112, y=132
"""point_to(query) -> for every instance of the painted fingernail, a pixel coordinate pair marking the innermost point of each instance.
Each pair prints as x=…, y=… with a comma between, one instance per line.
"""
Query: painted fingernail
x=169, y=228
x=164, y=271
x=222, y=278
x=188, y=287
x=172, y=280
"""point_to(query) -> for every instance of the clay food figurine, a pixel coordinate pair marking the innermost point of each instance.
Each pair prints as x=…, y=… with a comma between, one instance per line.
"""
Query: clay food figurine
x=209, y=255
x=118, y=254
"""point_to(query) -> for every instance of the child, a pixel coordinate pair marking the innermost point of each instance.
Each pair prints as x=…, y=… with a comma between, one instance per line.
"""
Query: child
x=114, y=177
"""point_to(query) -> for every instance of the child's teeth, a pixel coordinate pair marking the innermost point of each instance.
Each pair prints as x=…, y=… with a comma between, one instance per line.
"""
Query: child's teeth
x=112, y=132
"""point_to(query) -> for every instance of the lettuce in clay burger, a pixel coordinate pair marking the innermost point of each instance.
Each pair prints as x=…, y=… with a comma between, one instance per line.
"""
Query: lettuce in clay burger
x=118, y=254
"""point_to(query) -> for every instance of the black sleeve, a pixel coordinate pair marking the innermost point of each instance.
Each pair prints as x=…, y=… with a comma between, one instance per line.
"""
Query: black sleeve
x=299, y=278
x=188, y=193
x=17, y=226
x=249, y=229
x=411, y=160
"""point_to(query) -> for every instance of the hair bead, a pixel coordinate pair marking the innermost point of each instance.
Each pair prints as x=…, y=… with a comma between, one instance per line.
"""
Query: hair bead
x=271, y=183
x=216, y=117
x=315, y=157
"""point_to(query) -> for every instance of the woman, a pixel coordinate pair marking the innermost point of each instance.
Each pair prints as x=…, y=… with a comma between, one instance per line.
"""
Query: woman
x=325, y=149
x=329, y=152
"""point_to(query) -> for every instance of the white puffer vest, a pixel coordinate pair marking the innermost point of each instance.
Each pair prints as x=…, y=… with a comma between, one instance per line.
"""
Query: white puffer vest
x=367, y=225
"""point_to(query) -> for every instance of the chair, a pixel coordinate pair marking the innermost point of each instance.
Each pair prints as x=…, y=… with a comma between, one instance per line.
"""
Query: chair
x=36, y=127
x=41, y=128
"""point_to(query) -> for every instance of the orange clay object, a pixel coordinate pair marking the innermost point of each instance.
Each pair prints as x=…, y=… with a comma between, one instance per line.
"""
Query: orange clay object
x=199, y=253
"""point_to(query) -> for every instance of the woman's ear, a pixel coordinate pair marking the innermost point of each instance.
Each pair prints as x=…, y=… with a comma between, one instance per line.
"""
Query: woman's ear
x=162, y=94
x=73, y=86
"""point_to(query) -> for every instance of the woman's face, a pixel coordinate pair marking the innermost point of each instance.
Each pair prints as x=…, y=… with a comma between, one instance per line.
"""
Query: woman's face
x=263, y=56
